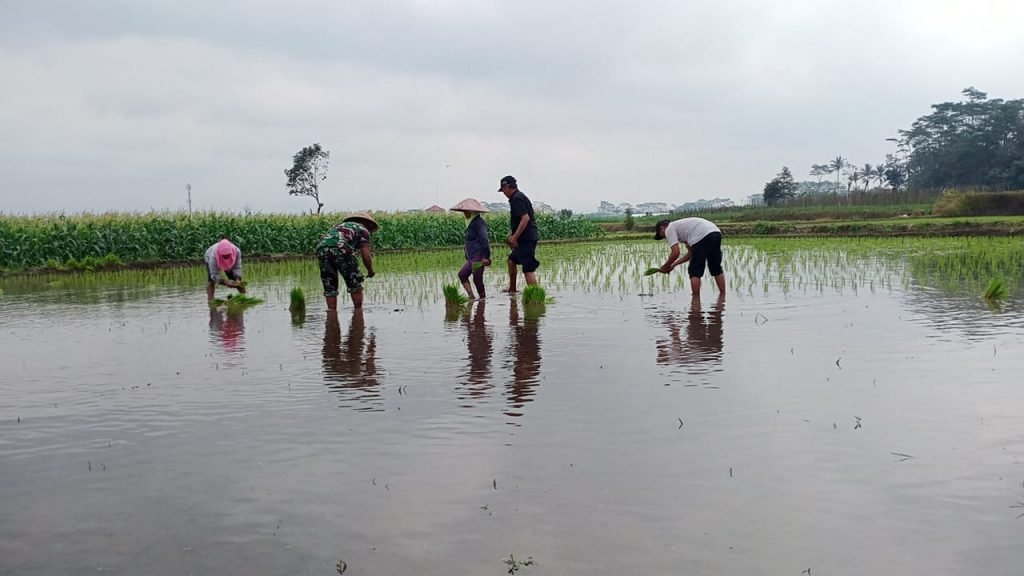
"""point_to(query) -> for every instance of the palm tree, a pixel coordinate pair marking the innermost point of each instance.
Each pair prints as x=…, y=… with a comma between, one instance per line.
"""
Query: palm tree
x=837, y=166
x=880, y=174
x=866, y=174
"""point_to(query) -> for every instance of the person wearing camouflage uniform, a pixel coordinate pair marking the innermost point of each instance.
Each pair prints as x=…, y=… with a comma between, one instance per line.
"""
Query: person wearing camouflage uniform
x=336, y=256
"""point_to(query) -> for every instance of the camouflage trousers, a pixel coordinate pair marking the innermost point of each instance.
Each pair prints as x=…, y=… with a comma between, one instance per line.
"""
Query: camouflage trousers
x=335, y=262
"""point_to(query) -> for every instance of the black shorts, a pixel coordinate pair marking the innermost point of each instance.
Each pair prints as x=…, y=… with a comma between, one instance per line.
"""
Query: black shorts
x=707, y=251
x=525, y=254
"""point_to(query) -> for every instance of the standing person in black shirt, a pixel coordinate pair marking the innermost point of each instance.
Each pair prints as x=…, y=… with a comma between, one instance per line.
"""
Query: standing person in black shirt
x=523, y=235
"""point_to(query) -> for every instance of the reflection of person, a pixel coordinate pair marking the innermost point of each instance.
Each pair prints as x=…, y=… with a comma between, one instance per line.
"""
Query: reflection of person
x=478, y=246
x=223, y=257
x=228, y=329
x=525, y=357
x=703, y=242
x=479, y=342
x=336, y=255
x=352, y=362
x=704, y=337
x=523, y=234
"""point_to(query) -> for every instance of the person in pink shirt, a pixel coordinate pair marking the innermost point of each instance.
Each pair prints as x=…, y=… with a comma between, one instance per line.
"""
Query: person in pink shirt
x=227, y=258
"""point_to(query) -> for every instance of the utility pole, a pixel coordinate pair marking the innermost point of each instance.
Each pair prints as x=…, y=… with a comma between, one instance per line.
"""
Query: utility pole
x=188, y=189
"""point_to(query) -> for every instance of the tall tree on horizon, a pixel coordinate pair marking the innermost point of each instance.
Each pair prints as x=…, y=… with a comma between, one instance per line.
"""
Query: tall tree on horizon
x=837, y=166
x=309, y=169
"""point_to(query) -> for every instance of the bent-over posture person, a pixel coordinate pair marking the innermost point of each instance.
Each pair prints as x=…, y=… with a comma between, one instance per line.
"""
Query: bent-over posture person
x=703, y=241
x=336, y=256
x=223, y=257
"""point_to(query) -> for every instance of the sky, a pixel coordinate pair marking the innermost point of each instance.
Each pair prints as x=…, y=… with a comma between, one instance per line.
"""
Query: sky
x=118, y=104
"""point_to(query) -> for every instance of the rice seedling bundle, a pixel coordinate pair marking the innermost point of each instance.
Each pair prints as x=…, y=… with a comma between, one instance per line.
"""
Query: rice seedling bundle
x=297, y=299
x=996, y=289
x=453, y=295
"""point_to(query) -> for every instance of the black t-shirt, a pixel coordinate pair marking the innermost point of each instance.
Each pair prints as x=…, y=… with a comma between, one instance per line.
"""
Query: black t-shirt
x=519, y=204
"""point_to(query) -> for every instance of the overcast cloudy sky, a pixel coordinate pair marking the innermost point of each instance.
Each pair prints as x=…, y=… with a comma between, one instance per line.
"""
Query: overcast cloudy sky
x=115, y=105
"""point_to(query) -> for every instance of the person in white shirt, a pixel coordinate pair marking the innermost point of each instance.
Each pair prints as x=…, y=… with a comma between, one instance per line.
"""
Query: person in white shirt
x=703, y=242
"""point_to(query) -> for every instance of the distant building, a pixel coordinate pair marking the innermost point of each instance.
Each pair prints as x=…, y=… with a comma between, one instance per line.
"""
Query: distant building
x=542, y=208
x=756, y=199
x=435, y=209
x=702, y=205
x=496, y=206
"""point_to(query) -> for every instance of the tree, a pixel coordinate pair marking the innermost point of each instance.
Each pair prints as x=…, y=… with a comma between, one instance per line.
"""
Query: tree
x=866, y=174
x=779, y=188
x=879, y=174
x=894, y=176
x=565, y=214
x=977, y=141
x=309, y=169
x=837, y=166
x=630, y=223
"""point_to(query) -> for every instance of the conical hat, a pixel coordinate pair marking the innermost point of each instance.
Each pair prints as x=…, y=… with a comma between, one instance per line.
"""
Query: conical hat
x=470, y=205
x=365, y=219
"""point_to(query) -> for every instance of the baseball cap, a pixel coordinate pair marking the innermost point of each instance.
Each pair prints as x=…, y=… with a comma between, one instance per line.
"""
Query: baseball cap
x=658, y=235
x=507, y=180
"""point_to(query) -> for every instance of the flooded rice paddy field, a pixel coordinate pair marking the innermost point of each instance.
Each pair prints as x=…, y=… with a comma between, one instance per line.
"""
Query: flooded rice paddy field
x=851, y=407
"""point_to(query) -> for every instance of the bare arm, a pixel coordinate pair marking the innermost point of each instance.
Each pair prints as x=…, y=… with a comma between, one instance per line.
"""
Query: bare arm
x=524, y=221
x=367, y=260
x=685, y=258
x=673, y=254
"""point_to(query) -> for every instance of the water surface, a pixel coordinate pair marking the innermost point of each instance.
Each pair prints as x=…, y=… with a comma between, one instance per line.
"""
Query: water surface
x=839, y=410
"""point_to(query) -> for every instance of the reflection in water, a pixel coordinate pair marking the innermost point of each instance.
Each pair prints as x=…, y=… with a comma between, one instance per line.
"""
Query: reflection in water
x=524, y=355
x=350, y=366
x=479, y=344
x=228, y=330
x=701, y=350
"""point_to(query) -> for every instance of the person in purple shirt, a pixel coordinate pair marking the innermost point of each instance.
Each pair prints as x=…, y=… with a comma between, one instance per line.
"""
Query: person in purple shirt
x=478, y=246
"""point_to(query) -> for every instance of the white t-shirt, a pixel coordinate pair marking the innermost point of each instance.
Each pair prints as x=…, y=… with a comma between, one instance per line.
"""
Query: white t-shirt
x=688, y=230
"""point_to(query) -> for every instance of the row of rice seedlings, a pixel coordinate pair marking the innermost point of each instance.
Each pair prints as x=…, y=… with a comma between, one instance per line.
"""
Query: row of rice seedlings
x=763, y=266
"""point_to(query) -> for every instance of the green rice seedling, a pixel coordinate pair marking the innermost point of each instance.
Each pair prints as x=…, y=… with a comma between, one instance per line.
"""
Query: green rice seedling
x=238, y=303
x=652, y=271
x=298, y=300
x=453, y=295
x=996, y=289
x=535, y=295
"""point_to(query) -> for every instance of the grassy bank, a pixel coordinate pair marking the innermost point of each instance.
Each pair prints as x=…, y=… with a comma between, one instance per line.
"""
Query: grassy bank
x=924, y=226
x=110, y=240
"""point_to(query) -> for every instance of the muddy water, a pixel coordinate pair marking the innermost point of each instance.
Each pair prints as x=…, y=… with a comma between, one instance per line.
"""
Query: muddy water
x=859, y=425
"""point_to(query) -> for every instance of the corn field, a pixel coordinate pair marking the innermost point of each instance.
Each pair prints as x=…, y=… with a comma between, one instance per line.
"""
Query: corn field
x=33, y=241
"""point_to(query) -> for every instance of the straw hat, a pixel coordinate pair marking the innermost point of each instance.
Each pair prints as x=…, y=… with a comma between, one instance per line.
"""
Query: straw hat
x=470, y=205
x=363, y=218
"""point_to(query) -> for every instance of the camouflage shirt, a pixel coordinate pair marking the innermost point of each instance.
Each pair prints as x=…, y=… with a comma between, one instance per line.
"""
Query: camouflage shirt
x=347, y=237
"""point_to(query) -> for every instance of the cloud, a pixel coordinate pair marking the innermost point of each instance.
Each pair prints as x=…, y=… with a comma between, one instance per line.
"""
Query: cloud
x=117, y=104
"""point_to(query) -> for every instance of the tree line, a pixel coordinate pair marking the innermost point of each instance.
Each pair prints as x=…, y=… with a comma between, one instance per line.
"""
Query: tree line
x=976, y=142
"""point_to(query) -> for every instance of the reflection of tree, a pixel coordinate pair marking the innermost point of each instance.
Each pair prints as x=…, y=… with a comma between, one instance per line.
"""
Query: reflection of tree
x=702, y=346
x=350, y=365
x=524, y=354
x=479, y=344
x=229, y=329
